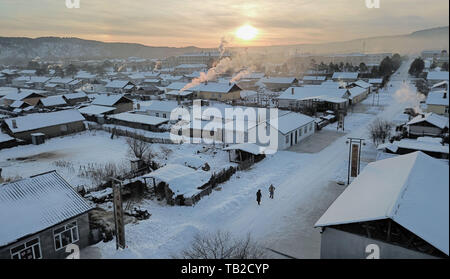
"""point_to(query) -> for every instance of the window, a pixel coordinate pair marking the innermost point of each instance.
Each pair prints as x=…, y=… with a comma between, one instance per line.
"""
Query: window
x=27, y=250
x=300, y=132
x=65, y=235
x=164, y=115
x=64, y=128
x=157, y=114
x=287, y=139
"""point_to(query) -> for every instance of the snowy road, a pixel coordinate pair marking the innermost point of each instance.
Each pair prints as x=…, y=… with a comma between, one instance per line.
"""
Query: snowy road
x=305, y=187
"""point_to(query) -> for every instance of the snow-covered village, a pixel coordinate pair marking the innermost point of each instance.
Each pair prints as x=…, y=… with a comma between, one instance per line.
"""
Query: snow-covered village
x=243, y=147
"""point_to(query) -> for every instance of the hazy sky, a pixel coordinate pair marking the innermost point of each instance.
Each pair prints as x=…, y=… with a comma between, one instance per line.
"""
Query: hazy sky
x=203, y=22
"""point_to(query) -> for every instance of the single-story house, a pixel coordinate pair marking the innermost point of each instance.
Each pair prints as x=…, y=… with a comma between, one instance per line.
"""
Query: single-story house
x=437, y=102
x=279, y=83
x=75, y=98
x=178, y=95
x=436, y=77
x=59, y=82
x=40, y=216
x=52, y=102
x=28, y=96
x=178, y=184
x=429, y=124
x=319, y=97
x=313, y=80
x=158, y=108
x=245, y=152
x=52, y=124
x=137, y=121
x=397, y=208
x=217, y=91
x=96, y=113
x=376, y=83
x=287, y=130
x=120, y=86
x=430, y=146
x=345, y=76
x=176, y=86
x=120, y=102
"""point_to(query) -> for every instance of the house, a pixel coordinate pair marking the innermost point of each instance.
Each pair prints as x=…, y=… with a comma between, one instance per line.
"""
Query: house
x=288, y=129
x=321, y=98
x=437, y=102
x=428, y=145
x=398, y=205
x=250, y=96
x=52, y=102
x=137, y=121
x=178, y=95
x=376, y=83
x=429, y=124
x=279, y=83
x=75, y=98
x=249, y=81
x=440, y=86
x=96, y=113
x=345, y=76
x=85, y=77
x=120, y=86
x=436, y=77
x=178, y=184
x=217, y=91
x=58, y=82
x=176, y=86
x=52, y=124
x=37, y=82
x=185, y=69
x=28, y=96
x=118, y=101
x=162, y=109
x=357, y=94
x=313, y=80
x=40, y=216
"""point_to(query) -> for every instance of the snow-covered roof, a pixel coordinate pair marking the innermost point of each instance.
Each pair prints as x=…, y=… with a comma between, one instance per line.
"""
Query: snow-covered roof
x=412, y=190
x=432, y=118
x=59, y=80
x=290, y=121
x=40, y=120
x=313, y=92
x=216, y=87
x=37, y=79
x=437, y=76
x=439, y=84
x=181, y=180
x=85, y=75
x=95, y=110
x=167, y=106
x=139, y=118
x=280, y=80
x=179, y=93
x=437, y=98
x=345, y=75
x=51, y=101
x=109, y=100
x=356, y=91
x=17, y=104
x=34, y=204
x=315, y=78
x=14, y=94
x=420, y=145
x=73, y=96
x=119, y=84
x=190, y=66
x=247, y=147
x=176, y=85
x=362, y=84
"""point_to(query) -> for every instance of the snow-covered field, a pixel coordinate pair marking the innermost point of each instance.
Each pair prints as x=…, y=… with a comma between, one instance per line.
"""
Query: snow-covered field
x=305, y=187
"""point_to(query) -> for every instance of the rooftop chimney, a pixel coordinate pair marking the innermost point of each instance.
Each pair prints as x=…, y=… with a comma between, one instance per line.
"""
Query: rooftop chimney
x=14, y=124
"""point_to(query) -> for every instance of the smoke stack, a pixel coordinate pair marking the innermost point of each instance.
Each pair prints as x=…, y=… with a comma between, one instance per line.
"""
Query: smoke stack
x=292, y=90
x=14, y=124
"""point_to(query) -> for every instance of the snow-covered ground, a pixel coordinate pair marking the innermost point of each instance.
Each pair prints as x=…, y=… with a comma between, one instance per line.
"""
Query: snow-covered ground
x=305, y=187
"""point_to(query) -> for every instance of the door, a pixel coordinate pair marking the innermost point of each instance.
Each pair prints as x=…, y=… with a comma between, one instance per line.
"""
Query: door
x=292, y=137
x=296, y=137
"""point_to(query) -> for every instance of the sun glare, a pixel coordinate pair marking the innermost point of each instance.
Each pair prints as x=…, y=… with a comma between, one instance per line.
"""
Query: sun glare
x=246, y=32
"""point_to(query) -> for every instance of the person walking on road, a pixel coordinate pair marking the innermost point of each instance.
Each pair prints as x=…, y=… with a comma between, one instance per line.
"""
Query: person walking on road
x=258, y=197
x=271, y=191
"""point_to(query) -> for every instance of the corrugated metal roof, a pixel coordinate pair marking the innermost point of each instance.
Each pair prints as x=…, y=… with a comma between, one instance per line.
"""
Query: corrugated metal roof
x=34, y=204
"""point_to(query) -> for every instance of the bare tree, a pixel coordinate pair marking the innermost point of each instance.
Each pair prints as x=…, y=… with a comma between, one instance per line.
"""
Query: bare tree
x=137, y=146
x=380, y=130
x=221, y=245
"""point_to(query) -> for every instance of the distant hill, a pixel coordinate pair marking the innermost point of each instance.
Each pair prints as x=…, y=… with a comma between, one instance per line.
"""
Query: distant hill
x=14, y=50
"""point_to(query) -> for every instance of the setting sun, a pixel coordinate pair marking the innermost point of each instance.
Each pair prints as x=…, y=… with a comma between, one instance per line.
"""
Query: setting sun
x=246, y=32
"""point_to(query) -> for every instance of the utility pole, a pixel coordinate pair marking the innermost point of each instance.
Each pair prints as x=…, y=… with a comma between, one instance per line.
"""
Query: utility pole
x=354, y=157
x=118, y=213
